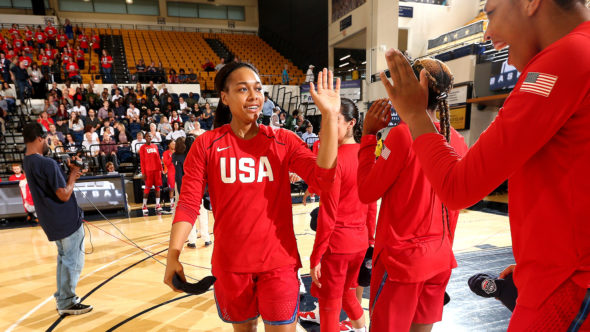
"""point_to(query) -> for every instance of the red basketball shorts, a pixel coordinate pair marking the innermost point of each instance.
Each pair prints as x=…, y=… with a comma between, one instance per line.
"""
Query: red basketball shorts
x=339, y=272
x=152, y=178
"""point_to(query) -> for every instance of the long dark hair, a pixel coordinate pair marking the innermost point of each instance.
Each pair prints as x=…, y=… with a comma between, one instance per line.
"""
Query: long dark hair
x=223, y=114
x=440, y=83
x=349, y=111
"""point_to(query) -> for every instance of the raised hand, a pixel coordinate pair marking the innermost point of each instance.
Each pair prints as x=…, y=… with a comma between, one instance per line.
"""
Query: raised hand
x=408, y=95
x=326, y=97
x=377, y=117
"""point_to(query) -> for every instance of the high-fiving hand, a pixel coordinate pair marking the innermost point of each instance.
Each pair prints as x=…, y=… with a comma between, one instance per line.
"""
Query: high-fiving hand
x=378, y=117
x=408, y=96
x=326, y=97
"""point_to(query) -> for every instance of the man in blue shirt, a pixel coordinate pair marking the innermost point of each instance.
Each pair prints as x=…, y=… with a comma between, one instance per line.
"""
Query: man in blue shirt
x=267, y=110
x=59, y=215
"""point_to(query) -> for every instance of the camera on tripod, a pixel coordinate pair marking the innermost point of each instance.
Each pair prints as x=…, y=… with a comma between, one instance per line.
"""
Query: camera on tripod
x=80, y=163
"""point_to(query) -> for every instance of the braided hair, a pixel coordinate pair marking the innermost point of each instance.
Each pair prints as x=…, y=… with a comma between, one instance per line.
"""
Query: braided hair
x=440, y=83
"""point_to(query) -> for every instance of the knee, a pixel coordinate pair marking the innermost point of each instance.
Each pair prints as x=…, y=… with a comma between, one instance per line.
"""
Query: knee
x=249, y=326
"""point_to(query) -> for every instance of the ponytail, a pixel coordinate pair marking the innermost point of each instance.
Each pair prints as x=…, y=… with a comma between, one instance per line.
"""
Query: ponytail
x=223, y=113
x=350, y=112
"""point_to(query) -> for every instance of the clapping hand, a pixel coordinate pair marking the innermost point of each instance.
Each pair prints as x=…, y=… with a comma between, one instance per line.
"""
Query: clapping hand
x=377, y=117
x=326, y=97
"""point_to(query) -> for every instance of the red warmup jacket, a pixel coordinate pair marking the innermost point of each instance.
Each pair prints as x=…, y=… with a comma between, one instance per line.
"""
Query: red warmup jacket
x=168, y=164
x=250, y=194
x=411, y=240
x=149, y=158
x=342, y=219
x=540, y=142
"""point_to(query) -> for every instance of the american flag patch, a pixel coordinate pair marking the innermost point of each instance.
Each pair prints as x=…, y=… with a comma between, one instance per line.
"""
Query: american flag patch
x=385, y=152
x=539, y=83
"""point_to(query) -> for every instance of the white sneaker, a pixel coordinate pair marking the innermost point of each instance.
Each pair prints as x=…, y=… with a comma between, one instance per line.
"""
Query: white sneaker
x=159, y=209
x=145, y=210
x=312, y=316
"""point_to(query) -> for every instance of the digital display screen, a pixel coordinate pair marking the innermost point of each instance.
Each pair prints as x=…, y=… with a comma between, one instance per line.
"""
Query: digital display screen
x=105, y=192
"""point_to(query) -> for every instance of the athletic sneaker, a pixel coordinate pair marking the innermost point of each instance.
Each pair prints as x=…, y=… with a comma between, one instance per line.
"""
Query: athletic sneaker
x=145, y=210
x=208, y=243
x=171, y=206
x=159, y=209
x=346, y=326
x=310, y=316
x=75, y=309
x=191, y=245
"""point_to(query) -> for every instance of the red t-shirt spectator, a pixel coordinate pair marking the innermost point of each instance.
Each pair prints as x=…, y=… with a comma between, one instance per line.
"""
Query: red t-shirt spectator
x=44, y=59
x=10, y=53
x=26, y=59
x=29, y=35
x=26, y=195
x=62, y=40
x=46, y=123
x=14, y=32
x=83, y=41
x=28, y=49
x=18, y=44
x=2, y=42
x=72, y=68
x=50, y=52
x=40, y=37
x=79, y=55
x=95, y=42
x=106, y=61
x=51, y=32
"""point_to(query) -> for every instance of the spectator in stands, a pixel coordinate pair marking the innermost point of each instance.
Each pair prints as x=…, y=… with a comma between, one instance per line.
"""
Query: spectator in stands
x=92, y=102
x=285, y=75
x=208, y=65
x=140, y=68
x=122, y=135
x=103, y=112
x=21, y=77
x=51, y=106
x=29, y=34
x=182, y=104
x=119, y=110
x=83, y=41
x=151, y=72
x=25, y=59
x=77, y=30
x=9, y=94
x=189, y=125
x=62, y=112
x=106, y=65
x=5, y=68
x=182, y=76
x=309, y=137
x=275, y=120
x=37, y=81
x=71, y=146
x=3, y=120
x=300, y=124
x=95, y=43
x=76, y=126
x=291, y=121
x=172, y=77
x=117, y=96
x=114, y=89
x=110, y=168
x=79, y=56
x=56, y=90
x=176, y=132
x=45, y=120
x=56, y=135
x=69, y=29
x=191, y=77
x=220, y=64
x=133, y=113
x=92, y=120
x=191, y=100
x=207, y=117
x=91, y=144
x=51, y=33
x=78, y=108
x=267, y=110
x=62, y=40
x=61, y=125
x=106, y=128
x=154, y=134
x=29, y=50
x=79, y=95
x=309, y=77
x=137, y=142
x=55, y=145
x=164, y=126
x=73, y=72
x=175, y=118
x=40, y=38
x=25, y=192
x=161, y=73
x=108, y=152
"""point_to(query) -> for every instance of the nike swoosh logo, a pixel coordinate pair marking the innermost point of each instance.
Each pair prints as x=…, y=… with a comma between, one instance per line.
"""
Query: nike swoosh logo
x=219, y=150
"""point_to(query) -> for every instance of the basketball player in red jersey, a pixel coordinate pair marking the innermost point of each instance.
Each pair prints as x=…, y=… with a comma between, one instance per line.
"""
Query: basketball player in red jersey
x=539, y=141
x=246, y=167
x=151, y=170
x=170, y=171
x=341, y=237
x=413, y=256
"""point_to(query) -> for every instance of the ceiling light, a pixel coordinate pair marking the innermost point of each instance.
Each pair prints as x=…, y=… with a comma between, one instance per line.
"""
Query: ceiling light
x=345, y=57
x=344, y=65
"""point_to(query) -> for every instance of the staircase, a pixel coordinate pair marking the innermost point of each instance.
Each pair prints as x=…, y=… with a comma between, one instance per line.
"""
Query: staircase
x=114, y=44
x=220, y=49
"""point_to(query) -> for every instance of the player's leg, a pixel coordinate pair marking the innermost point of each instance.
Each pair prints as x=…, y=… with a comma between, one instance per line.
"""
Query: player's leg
x=350, y=302
x=249, y=326
x=204, y=225
x=277, y=292
x=158, y=185
x=148, y=178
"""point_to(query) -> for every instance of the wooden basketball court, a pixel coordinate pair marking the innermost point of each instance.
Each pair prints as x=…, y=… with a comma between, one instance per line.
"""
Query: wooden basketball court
x=124, y=283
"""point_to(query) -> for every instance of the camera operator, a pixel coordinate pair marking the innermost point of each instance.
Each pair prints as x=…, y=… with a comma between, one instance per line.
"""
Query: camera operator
x=59, y=215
